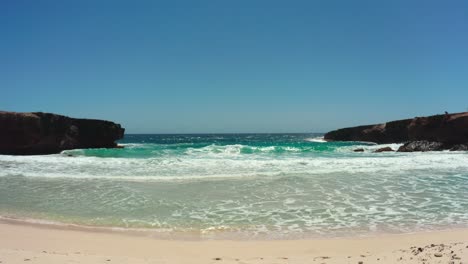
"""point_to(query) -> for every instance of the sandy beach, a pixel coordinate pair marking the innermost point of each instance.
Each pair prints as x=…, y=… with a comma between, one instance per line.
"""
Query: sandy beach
x=22, y=243
x=233, y=132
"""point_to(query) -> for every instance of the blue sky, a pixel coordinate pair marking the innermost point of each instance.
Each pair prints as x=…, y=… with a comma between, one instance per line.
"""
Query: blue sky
x=235, y=66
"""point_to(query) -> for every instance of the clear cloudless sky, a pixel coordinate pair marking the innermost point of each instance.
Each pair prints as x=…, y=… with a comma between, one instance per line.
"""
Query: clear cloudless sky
x=234, y=66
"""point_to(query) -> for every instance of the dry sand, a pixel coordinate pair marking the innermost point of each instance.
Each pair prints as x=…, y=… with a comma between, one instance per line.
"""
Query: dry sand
x=24, y=243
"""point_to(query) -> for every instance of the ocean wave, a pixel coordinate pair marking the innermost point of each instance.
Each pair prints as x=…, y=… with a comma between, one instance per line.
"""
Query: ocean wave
x=215, y=162
x=239, y=149
x=154, y=150
x=316, y=139
x=368, y=148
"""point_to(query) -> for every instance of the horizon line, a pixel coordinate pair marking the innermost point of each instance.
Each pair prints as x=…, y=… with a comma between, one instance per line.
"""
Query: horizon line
x=224, y=133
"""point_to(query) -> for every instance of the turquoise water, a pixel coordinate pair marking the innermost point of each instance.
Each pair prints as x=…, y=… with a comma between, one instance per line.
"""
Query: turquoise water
x=240, y=186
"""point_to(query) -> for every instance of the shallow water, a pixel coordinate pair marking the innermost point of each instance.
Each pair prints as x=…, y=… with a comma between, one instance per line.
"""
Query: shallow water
x=247, y=186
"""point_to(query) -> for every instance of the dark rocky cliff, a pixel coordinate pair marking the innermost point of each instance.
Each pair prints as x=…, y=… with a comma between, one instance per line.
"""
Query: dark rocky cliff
x=45, y=133
x=448, y=129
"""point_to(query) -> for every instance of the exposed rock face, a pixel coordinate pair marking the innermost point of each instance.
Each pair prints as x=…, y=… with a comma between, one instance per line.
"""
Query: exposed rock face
x=461, y=147
x=449, y=129
x=421, y=146
x=45, y=133
x=382, y=133
x=385, y=149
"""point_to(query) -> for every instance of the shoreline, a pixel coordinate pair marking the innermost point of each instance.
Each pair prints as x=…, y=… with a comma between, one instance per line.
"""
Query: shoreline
x=42, y=244
x=212, y=235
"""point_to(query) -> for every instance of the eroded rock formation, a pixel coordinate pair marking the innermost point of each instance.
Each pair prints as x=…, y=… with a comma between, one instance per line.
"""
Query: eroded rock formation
x=449, y=131
x=46, y=133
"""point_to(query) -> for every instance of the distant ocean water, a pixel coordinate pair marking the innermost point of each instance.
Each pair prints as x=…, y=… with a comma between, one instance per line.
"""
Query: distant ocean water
x=240, y=185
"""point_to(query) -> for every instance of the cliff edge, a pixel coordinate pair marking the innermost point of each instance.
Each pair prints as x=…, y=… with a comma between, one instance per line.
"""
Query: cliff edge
x=45, y=133
x=449, y=130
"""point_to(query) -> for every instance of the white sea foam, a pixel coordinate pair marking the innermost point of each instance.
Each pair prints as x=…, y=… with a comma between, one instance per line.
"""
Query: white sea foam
x=316, y=139
x=370, y=147
x=210, y=162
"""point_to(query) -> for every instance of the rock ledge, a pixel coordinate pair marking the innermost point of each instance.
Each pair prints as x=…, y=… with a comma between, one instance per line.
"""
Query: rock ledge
x=45, y=133
x=437, y=132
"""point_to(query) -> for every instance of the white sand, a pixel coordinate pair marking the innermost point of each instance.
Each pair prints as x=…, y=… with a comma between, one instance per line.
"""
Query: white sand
x=24, y=243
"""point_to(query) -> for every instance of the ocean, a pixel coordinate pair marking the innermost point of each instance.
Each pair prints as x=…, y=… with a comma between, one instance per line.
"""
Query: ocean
x=246, y=186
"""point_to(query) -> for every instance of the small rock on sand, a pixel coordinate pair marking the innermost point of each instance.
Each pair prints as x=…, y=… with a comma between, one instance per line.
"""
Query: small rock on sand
x=438, y=255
